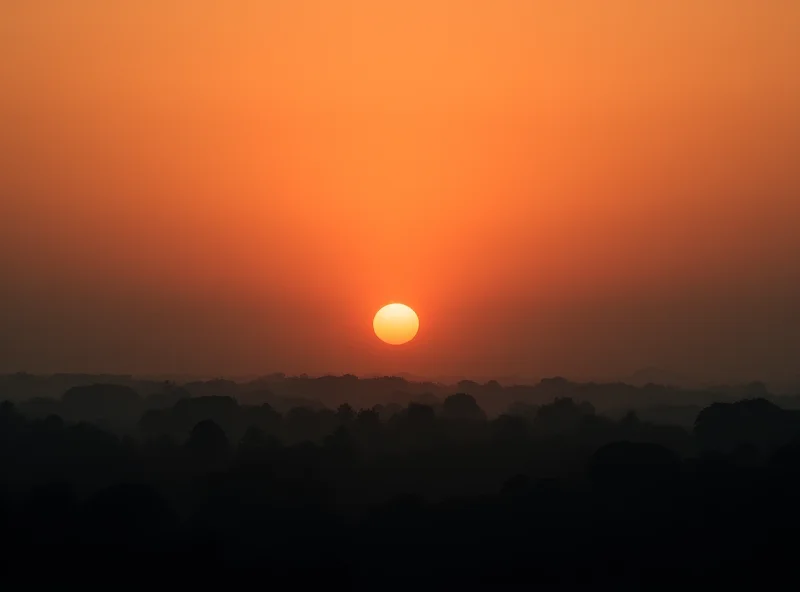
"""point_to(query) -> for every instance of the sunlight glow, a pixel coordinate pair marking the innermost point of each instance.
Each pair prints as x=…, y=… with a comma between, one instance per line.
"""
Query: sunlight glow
x=396, y=324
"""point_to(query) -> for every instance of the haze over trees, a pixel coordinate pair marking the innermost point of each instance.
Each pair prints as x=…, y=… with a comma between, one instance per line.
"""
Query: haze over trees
x=564, y=482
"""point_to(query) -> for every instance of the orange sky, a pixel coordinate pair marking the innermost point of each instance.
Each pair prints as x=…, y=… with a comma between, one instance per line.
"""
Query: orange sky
x=556, y=187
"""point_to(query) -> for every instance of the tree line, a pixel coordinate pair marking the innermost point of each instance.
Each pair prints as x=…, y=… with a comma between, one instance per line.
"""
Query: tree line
x=442, y=492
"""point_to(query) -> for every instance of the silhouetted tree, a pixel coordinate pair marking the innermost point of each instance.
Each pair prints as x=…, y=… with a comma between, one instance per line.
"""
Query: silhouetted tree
x=463, y=407
x=100, y=402
x=725, y=427
x=345, y=414
x=208, y=442
x=562, y=415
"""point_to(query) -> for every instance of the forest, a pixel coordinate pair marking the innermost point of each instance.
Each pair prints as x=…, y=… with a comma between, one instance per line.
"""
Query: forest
x=315, y=479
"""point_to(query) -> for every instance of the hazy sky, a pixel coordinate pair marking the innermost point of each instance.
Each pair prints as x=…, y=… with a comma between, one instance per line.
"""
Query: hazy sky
x=556, y=187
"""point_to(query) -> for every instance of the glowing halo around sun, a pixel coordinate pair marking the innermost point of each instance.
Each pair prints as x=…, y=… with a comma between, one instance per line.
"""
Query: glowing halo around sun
x=396, y=324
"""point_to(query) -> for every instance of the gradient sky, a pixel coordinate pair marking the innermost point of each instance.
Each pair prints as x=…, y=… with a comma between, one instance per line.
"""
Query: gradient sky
x=557, y=187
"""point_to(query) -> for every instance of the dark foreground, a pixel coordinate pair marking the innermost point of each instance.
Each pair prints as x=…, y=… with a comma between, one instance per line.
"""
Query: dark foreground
x=562, y=498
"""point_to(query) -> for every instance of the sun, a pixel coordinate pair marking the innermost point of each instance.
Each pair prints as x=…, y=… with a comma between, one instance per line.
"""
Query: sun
x=396, y=324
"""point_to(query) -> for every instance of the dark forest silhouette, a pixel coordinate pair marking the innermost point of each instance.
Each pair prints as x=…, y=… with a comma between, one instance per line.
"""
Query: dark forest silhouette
x=349, y=480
